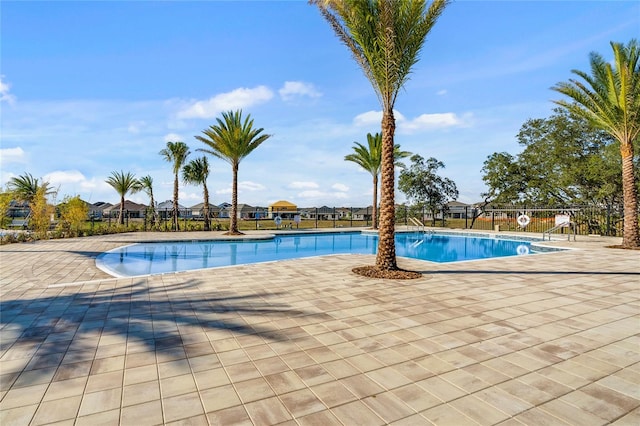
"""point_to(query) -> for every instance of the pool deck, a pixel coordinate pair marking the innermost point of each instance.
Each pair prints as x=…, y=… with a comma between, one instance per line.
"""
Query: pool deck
x=550, y=339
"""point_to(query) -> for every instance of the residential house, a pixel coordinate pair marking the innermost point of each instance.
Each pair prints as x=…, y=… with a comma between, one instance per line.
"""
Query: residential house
x=131, y=210
x=165, y=210
x=282, y=208
x=197, y=211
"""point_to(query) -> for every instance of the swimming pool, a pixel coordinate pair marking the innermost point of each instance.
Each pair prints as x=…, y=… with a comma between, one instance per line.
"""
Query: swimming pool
x=162, y=257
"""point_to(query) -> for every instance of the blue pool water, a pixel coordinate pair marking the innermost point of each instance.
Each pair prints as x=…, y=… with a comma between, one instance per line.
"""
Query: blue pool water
x=155, y=258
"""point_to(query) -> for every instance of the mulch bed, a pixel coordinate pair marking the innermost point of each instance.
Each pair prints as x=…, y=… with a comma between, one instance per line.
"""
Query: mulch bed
x=396, y=274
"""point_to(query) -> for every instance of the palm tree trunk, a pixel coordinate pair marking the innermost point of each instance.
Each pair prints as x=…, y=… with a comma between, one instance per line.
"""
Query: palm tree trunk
x=205, y=207
x=121, y=218
x=386, y=258
x=630, y=236
x=176, y=222
x=153, y=210
x=233, y=223
x=374, y=214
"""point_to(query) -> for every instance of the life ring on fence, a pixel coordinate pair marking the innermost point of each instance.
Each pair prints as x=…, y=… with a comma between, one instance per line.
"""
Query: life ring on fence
x=523, y=220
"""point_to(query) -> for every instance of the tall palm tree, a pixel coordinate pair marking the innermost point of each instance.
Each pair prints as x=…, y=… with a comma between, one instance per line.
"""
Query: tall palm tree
x=25, y=187
x=369, y=158
x=145, y=184
x=123, y=183
x=610, y=100
x=176, y=153
x=196, y=172
x=232, y=139
x=385, y=38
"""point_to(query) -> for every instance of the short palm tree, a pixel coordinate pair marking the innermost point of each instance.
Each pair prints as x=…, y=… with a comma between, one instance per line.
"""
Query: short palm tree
x=25, y=187
x=145, y=184
x=196, y=172
x=123, y=183
x=385, y=38
x=232, y=139
x=176, y=153
x=369, y=158
x=610, y=100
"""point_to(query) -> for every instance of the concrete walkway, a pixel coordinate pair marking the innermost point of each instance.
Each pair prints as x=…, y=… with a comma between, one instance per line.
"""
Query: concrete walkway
x=550, y=339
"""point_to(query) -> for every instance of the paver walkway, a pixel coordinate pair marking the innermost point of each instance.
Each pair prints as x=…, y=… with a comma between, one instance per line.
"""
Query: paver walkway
x=549, y=339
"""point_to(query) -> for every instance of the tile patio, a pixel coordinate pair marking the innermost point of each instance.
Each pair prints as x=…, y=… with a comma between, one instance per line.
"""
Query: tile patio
x=551, y=339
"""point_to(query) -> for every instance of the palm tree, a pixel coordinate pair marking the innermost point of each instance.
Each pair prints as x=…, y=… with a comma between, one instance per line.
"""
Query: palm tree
x=232, y=139
x=123, y=183
x=176, y=153
x=145, y=184
x=385, y=38
x=196, y=172
x=25, y=187
x=369, y=158
x=610, y=100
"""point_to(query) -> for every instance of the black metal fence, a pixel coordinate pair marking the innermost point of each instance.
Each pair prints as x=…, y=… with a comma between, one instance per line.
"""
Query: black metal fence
x=601, y=220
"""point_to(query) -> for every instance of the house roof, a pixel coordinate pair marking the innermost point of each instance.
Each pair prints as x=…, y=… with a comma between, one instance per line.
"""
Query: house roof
x=457, y=204
x=282, y=204
x=128, y=205
x=169, y=205
x=199, y=206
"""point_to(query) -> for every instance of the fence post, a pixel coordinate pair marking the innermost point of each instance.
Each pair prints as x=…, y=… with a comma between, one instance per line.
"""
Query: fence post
x=608, y=229
x=493, y=219
x=351, y=216
x=334, y=217
x=316, y=218
x=466, y=217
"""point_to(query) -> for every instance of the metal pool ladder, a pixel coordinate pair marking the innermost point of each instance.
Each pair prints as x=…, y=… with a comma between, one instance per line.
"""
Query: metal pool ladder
x=569, y=225
x=419, y=225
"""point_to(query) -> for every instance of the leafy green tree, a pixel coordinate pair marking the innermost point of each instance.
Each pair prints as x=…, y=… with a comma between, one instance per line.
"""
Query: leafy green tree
x=610, y=99
x=385, y=38
x=73, y=213
x=231, y=140
x=196, y=172
x=5, y=203
x=422, y=184
x=145, y=184
x=565, y=160
x=41, y=212
x=123, y=183
x=176, y=153
x=505, y=179
x=369, y=158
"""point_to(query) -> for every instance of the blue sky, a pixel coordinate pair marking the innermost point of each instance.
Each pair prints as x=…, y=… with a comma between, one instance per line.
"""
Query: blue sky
x=88, y=88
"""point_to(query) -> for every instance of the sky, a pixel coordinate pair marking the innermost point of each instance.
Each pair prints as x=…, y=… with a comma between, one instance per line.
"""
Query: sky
x=89, y=88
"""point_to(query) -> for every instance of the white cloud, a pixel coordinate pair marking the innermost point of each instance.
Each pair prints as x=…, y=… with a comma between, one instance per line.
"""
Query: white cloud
x=340, y=187
x=173, y=137
x=12, y=155
x=422, y=122
x=430, y=122
x=294, y=89
x=186, y=196
x=368, y=118
x=316, y=194
x=236, y=99
x=301, y=185
x=243, y=186
x=135, y=127
x=251, y=186
x=60, y=177
x=74, y=182
x=4, y=92
x=441, y=92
